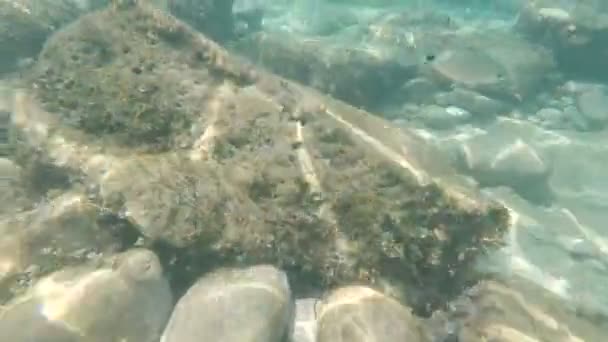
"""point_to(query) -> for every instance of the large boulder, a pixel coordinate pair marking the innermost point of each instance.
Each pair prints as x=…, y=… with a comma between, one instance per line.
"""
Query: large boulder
x=228, y=164
x=234, y=305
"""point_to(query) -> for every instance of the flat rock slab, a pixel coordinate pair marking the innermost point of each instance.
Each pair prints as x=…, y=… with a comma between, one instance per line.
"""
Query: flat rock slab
x=204, y=152
x=234, y=305
x=128, y=300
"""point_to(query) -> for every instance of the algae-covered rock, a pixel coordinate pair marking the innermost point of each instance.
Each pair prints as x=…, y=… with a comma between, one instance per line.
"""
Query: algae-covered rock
x=234, y=305
x=25, y=25
x=205, y=153
x=128, y=300
x=360, y=314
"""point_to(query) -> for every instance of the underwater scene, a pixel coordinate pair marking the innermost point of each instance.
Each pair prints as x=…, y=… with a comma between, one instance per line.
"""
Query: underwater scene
x=303, y=171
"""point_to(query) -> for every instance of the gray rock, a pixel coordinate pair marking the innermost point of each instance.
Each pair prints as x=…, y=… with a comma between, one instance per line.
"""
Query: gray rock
x=576, y=34
x=305, y=322
x=327, y=65
x=63, y=231
x=579, y=162
x=233, y=305
x=481, y=107
x=360, y=314
x=593, y=105
x=443, y=118
x=127, y=301
x=500, y=159
x=418, y=90
x=516, y=311
x=551, y=117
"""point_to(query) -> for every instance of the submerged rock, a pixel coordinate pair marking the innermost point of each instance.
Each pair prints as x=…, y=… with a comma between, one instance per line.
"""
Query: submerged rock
x=514, y=311
x=205, y=153
x=360, y=314
x=234, y=305
x=305, y=320
x=127, y=301
x=576, y=34
x=442, y=118
x=482, y=108
x=67, y=230
x=501, y=158
x=25, y=25
x=359, y=76
x=592, y=104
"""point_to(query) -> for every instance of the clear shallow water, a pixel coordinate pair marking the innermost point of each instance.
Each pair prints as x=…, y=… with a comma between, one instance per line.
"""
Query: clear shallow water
x=511, y=104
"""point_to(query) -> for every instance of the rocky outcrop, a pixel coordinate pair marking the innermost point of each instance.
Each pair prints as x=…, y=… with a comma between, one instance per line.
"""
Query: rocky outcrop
x=224, y=163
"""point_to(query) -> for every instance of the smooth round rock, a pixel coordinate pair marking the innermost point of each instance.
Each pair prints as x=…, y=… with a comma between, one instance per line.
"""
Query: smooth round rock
x=129, y=301
x=233, y=305
x=593, y=105
x=360, y=314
